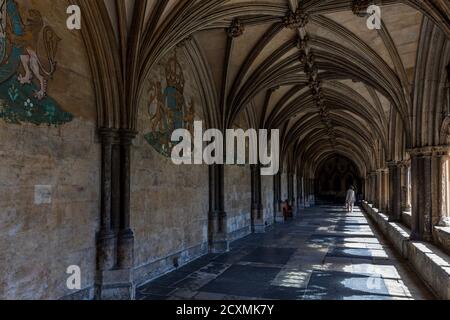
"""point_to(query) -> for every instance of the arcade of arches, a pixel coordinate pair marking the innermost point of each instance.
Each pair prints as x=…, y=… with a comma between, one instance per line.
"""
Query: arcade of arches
x=86, y=118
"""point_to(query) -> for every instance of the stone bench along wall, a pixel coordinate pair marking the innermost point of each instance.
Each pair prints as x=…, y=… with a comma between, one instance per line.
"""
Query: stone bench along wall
x=429, y=262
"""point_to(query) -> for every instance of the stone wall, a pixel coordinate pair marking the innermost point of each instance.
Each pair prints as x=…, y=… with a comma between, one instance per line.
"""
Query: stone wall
x=169, y=212
x=169, y=203
x=50, y=175
x=238, y=200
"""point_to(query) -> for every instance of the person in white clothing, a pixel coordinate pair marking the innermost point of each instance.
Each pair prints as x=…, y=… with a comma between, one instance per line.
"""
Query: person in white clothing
x=350, y=199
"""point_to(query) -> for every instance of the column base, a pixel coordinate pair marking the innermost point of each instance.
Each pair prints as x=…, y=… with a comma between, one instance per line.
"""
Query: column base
x=258, y=223
x=106, y=250
x=259, y=228
x=221, y=246
x=115, y=285
x=279, y=218
x=125, y=249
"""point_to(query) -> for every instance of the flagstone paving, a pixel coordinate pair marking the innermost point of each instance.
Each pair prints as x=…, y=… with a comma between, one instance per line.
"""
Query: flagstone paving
x=326, y=253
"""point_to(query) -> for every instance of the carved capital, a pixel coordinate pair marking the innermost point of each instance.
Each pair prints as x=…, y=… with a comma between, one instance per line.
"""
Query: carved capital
x=394, y=164
x=429, y=151
x=127, y=136
x=108, y=135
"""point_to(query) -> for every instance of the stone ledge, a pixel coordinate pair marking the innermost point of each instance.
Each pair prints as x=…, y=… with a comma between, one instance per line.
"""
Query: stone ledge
x=407, y=219
x=429, y=262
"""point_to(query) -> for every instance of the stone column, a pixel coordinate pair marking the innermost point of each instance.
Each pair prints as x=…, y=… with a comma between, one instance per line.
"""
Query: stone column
x=421, y=172
x=373, y=188
x=279, y=217
x=301, y=193
x=298, y=195
x=115, y=240
x=428, y=171
x=125, y=249
x=217, y=218
x=106, y=237
x=384, y=196
x=290, y=182
x=405, y=185
x=395, y=192
x=440, y=185
x=306, y=182
x=368, y=189
x=257, y=219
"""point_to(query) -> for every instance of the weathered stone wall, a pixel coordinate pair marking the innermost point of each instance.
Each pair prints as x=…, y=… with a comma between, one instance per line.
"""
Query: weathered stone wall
x=238, y=200
x=44, y=230
x=267, y=198
x=169, y=203
x=169, y=211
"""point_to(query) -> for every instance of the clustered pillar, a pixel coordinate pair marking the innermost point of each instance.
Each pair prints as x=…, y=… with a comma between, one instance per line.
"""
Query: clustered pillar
x=428, y=166
x=278, y=212
x=406, y=186
x=418, y=185
x=217, y=229
x=291, y=196
x=257, y=219
x=115, y=239
x=395, y=191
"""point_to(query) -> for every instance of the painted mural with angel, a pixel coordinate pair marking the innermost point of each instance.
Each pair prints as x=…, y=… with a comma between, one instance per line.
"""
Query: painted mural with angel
x=167, y=107
x=25, y=71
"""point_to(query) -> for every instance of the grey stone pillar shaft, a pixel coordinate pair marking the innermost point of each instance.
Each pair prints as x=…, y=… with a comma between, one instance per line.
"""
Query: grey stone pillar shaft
x=290, y=189
x=405, y=186
x=106, y=238
x=421, y=196
x=438, y=194
x=257, y=219
x=218, y=233
x=279, y=217
x=373, y=188
x=428, y=190
x=298, y=195
x=385, y=191
x=126, y=235
x=395, y=190
x=378, y=190
x=115, y=240
x=306, y=192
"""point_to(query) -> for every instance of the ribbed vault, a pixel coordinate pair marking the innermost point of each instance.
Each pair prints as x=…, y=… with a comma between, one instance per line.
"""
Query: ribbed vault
x=309, y=68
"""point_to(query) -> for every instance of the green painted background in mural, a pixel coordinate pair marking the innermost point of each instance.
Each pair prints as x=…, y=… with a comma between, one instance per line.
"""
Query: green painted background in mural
x=23, y=76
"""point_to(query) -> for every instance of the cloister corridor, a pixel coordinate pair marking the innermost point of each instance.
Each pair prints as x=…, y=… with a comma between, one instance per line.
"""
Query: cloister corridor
x=205, y=149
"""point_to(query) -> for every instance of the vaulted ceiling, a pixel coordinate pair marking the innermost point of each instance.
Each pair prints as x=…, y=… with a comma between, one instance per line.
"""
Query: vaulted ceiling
x=311, y=68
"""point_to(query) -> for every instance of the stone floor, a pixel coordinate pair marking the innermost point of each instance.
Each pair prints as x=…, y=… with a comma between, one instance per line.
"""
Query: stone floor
x=326, y=254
